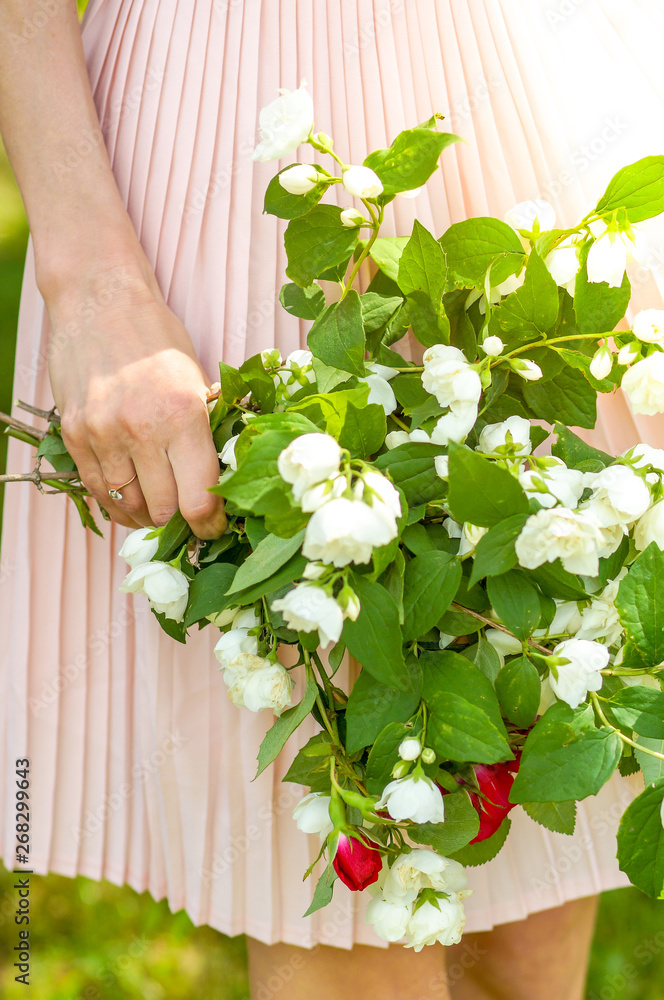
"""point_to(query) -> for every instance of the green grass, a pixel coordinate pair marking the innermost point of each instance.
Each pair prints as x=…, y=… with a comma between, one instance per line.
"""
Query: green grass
x=94, y=940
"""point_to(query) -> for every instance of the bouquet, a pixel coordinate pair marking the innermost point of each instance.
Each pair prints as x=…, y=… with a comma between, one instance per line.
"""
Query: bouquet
x=505, y=600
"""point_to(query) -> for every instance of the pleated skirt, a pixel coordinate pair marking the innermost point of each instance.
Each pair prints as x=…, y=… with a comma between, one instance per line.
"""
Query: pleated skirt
x=141, y=767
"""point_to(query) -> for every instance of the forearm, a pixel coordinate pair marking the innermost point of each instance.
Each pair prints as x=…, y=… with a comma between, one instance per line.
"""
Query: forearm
x=77, y=217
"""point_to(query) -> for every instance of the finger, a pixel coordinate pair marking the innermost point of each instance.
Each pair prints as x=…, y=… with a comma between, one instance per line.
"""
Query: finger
x=155, y=475
x=92, y=478
x=195, y=464
x=119, y=473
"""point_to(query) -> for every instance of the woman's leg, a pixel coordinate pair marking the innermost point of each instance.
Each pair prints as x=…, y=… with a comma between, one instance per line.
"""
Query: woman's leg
x=544, y=956
x=284, y=972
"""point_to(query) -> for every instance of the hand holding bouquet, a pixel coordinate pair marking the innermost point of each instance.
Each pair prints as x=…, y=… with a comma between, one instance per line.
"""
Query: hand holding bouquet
x=505, y=600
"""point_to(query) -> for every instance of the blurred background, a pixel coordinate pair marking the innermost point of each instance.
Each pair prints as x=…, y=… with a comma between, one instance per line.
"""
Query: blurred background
x=97, y=941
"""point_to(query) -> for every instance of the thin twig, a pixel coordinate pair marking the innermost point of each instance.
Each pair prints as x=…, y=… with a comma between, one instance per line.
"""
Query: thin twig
x=493, y=624
x=36, y=477
x=49, y=415
x=20, y=426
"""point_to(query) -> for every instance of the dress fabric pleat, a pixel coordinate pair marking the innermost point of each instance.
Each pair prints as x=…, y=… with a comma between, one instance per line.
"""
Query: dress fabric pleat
x=141, y=766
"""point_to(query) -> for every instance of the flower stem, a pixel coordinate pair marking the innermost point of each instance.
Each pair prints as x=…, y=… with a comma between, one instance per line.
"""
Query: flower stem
x=625, y=739
x=377, y=220
x=497, y=625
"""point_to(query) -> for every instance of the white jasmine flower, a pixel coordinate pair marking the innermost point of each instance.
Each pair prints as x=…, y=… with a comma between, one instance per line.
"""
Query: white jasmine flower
x=504, y=644
x=619, y=496
x=563, y=264
x=166, y=588
x=442, y=922
x=628, y=353
x=383, y=370
x=644, y=384
x=222, y=618
x=307, y=608
x=137, y=549
x=506, y=287
x=470, y=537
x=329, y=489
x=313, y=571
x=567, y=619
x=422, y=869
x=344, y=531
x=414, y=798
x=299, y=179
x=643, y=455
x=610, y=254
x=600, y=620
x=351, y=218
x=650, y=528
x=308, y=460
x=381, y=392
x=495, y=436
x=362, y=182
x=448, y=376
x=492, y=346
x=297, y=371
x=442, y=466
x=573, y=537
x=265, y=685
x=227, y=453
x=553, y=484
x=312, y=814
x=410, y=748
x=602, y=363
x=388, y=919
x=648, y=326
x=233, y=644
x=527, y=369
x=419, y=435
x=455, y=425
x=526, y=213
x=582, y=673
x=284, y=124
x=413, y=193
x=383, y=493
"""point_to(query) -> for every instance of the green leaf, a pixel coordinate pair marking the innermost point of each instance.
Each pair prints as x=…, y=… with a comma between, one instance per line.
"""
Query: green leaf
x=556, y=582
x=363, y=430
x=480, y=491
x=574, y=451
x=375, y=638
x=598, y=308
x=557, y=816
x=328, y=377
x=207, y=592
x=315, y=242
x=518, y=688
x=484, y=656
x=465, y=722
x=337, y=336
x=233, y=386
x=410, y=160
x=176, y=630
x=270, y=554
x=259, y=382
x=305, y=303
x=412, y=469
x=641, y=709
x=377, y=311
x=515, y=600
x=652, y=767
x=289, y=206
x=422, y=265
x=290, y=571
x=285, y=726
x=430, y=583
x=533, y=308
x=386, y=252
x=173, y=536
x=461, y=825
x=54, y=450
x=640, y=602
x=384, y=754
x=568, y=397
x=639, y=188
x=85, y=514
x=495, y=552
x=311, y=766
x=372, y=706
x=478, y=854
x=560, y=763
x=641, y=841
x=474, y=245
x=323, y=891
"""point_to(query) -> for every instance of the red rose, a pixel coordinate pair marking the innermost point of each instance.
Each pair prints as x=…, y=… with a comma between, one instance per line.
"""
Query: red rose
x=356, y=864
x=495, y=782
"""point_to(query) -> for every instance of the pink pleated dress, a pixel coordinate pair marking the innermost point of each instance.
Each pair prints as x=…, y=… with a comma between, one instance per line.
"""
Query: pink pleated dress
x=141, y=766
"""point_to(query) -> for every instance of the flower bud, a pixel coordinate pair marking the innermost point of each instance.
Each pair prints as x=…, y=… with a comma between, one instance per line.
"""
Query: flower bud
x=628, y=353
x=350, y=603
x=602, y=363
x=362, y=182
x=299, y=179
x=400, y=769
x=410, y=748
x=324, y=140
x=527, y=369
x=428, y=755
x=351, y=218
x=492, y=346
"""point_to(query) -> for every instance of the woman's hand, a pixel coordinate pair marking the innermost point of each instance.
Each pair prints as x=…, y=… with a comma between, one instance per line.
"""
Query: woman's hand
x=131, y=396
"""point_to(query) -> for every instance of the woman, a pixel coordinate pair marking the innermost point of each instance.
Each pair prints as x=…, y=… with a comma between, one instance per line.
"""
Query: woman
x=150, y=261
